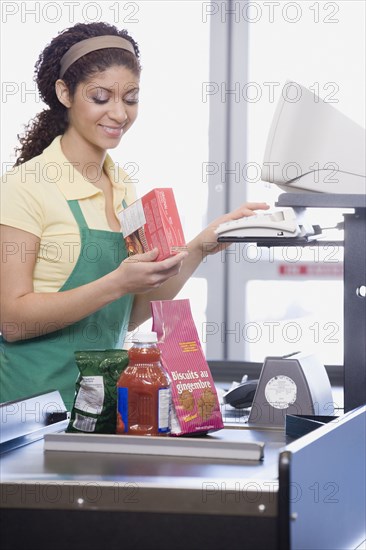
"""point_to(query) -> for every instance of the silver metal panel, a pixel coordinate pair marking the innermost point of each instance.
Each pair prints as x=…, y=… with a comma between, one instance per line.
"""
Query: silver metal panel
x=327, y=485
x=198, y=447
x=32, y=478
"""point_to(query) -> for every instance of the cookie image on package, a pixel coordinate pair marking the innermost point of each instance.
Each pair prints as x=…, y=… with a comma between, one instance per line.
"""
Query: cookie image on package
x=134, y=244
x=186, y=400
x=206, y=404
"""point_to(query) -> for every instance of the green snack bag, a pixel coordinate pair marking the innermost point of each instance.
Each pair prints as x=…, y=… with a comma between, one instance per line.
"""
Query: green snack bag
x=95, y=402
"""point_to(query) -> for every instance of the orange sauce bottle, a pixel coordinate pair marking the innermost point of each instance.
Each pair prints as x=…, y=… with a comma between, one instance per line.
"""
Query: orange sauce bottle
x=143, y=391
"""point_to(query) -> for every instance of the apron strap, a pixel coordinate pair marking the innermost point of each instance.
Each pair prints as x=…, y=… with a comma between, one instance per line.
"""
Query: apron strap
x=78, y=215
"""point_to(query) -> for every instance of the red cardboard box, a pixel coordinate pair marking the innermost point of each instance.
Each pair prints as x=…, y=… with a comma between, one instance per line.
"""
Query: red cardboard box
x=153, y=221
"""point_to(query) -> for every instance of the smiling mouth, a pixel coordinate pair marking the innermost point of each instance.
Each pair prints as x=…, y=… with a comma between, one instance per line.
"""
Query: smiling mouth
x=114, y=131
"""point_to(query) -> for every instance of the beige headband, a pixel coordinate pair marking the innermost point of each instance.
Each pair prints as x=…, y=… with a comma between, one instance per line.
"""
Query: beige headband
x=90, y=45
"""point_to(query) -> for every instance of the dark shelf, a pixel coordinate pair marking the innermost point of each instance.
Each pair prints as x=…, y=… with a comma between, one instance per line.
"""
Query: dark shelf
x=279, y=241
x=321, y=200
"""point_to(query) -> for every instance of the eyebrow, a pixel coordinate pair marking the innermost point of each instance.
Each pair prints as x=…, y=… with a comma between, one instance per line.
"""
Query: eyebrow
x=136, y=89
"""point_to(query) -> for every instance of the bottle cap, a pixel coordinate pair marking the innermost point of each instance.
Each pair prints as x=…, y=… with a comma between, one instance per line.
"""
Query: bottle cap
x=145, y=337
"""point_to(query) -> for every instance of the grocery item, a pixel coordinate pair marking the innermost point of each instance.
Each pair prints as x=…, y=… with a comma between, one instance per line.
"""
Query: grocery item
x=94, y=408
x=143, y=389
x=153, y=221
x=195, y=406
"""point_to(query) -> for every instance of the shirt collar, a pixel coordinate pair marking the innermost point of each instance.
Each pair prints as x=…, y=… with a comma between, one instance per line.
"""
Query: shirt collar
x=72, y=184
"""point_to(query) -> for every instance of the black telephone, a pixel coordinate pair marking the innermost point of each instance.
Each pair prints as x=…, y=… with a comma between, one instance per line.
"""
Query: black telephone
x=241, y=397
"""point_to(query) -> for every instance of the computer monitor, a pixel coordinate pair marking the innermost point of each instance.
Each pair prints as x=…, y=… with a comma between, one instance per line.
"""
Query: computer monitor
x=313, y=147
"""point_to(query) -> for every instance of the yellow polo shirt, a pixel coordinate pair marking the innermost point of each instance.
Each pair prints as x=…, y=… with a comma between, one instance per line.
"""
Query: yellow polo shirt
x=34, y=198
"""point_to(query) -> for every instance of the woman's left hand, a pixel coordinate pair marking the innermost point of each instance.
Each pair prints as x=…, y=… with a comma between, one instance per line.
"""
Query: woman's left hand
x=205, y=243
x=207, y=239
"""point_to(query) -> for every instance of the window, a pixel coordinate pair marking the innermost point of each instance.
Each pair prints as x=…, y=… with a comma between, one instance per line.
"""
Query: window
x=320, y=45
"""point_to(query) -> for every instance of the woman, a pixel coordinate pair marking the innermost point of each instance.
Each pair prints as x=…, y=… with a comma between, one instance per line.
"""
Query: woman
x=67, y=281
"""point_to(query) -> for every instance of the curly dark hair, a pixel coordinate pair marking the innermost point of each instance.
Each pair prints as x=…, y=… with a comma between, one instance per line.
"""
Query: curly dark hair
x=51, y=122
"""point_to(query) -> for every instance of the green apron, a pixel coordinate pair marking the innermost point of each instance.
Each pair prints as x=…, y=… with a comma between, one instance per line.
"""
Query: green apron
x=45, y=363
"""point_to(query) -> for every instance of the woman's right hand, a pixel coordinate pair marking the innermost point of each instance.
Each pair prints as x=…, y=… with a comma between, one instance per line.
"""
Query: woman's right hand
x=140, y=273
x=25, y=313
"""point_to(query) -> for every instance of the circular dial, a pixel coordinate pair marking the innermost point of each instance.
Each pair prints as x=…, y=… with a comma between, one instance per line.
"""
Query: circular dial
x=280, y=392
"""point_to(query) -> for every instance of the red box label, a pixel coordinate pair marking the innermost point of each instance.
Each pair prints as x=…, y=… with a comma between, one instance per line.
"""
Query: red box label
x=153, y=221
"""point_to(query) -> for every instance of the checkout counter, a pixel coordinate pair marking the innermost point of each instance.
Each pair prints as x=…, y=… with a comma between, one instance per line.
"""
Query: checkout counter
x=300, y=493
x=304, y=493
